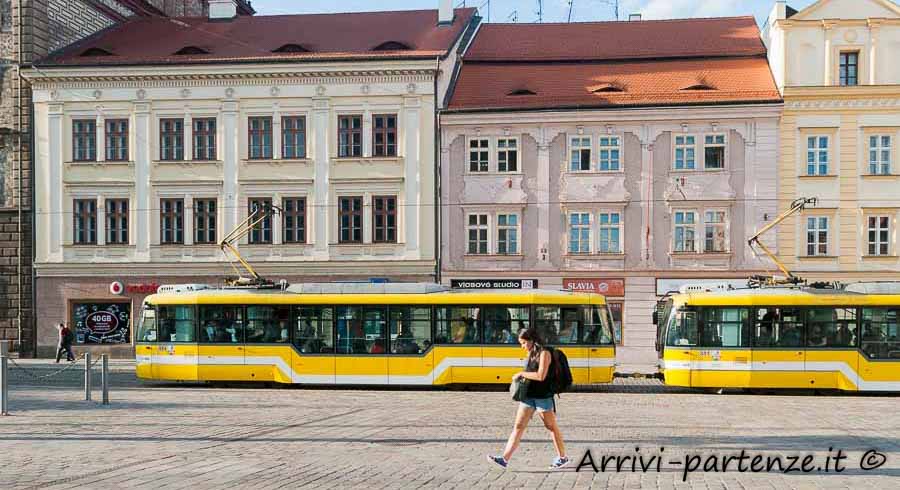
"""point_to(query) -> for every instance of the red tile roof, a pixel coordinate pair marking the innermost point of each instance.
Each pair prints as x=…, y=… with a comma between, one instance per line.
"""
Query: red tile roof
x=726, y=36
x=253, y=38
x=614, y=64
x=486, y=86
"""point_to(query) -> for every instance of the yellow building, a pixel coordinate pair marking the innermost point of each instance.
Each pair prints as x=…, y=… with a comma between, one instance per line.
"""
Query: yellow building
x=836, y=63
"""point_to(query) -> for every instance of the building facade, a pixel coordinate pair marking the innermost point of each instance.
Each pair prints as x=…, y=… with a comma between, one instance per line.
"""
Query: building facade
x=29, y=31
x=835, y=63
x=646, y=165
x=156, y=139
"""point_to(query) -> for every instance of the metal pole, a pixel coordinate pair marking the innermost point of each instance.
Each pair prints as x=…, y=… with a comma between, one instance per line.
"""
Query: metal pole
x=87, y=376
x=104, y=377
x=4, y=379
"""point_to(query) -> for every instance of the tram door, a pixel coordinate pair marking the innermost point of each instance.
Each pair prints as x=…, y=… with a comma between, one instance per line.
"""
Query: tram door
x=175, y=356
x=600, y=354
x=778, y=348
x=362, y=332
x=410, y=360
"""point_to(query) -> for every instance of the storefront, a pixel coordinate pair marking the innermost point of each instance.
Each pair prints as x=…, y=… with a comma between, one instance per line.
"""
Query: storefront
x=612, y=288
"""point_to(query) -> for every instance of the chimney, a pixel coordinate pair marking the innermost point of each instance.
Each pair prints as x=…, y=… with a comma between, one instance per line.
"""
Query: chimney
x=634, y=17
x=445, y=12
x=780, y=10
x=222, y=9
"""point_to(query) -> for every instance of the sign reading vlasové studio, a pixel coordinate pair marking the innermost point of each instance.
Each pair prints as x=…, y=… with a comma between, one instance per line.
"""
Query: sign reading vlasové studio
x=101, y=323
x=494, y=283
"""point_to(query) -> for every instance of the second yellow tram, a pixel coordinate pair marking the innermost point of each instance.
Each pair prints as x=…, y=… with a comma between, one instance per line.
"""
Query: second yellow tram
x=781, y=337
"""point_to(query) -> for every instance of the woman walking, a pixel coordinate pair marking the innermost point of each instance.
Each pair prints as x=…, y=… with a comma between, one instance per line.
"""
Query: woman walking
x=539, y=399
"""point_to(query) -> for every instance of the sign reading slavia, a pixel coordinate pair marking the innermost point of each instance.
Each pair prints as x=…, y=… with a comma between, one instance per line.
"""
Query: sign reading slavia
x=493, y=283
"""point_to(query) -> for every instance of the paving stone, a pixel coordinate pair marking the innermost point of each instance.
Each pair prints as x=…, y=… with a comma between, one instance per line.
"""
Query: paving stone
x=197, y=437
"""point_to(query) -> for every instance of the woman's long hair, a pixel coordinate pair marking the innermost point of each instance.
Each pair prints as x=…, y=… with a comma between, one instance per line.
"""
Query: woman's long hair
x=531, y=334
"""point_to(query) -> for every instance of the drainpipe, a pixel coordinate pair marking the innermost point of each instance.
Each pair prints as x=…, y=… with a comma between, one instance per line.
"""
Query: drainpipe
x=20, y=80
x=33, y=217
x=437, y=177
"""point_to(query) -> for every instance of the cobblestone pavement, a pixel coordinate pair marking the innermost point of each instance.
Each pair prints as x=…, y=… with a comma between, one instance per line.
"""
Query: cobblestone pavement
x=171, y=436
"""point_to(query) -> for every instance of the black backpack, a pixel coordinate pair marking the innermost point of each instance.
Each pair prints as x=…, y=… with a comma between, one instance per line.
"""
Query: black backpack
x=560, y=375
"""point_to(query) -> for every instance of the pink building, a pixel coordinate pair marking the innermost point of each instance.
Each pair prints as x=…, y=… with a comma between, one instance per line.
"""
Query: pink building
x=622, y=157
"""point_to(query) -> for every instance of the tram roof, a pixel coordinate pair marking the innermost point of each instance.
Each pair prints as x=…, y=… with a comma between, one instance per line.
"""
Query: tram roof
x=365, y=293
x=776, y=296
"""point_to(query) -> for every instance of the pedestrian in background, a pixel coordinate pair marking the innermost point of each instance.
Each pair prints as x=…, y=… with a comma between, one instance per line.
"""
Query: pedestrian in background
x=539, y=399
x=66, y=338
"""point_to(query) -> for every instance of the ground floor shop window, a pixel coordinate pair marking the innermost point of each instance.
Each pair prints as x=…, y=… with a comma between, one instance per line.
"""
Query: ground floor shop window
x=615, y=310
x=101, y=323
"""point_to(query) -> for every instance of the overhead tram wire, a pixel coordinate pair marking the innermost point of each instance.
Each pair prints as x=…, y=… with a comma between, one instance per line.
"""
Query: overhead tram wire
x=698, y=202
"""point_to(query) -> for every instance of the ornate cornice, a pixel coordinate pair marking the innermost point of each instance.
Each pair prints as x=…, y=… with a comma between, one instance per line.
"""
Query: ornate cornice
x=42, y=81
x=841, y=104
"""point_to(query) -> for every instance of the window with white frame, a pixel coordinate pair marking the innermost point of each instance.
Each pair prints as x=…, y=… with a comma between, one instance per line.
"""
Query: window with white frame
x=685, y=231
x=479, y=155
x=816, y=235
x=685, y=152
x=580, y=154
x=478, y=230
x=610, y=232
x=507, y=234
x=879, y=235
x=880, y=154
x=715, y=238
x=507, y=155
x=579, y=233
x=817, y=155
x=609, y=154
x=714, y=152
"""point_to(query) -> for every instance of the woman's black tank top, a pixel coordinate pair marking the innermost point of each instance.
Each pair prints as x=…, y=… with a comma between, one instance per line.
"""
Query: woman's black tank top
x=537, y=389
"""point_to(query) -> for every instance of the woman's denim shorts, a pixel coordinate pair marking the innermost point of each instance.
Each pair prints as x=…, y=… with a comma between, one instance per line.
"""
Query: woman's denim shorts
x=540, y=404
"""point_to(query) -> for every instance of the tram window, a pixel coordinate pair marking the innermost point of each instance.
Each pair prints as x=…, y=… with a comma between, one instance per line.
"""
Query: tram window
x=724, y=327
x=831, y=327
x=176, y=323
x=552, y=330
x=457, y=325
x=502, y=323
x=315, y=333
x=148, y=326
x=683, y=329
x=410, y=329
x=375, y=328
x=778, y=327
x=268, y=324
x=597, y=325
x=881, y=333
x=221, y=324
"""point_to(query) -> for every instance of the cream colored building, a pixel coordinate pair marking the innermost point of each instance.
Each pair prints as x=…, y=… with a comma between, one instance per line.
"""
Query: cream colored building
x=155, y=140
x=836, y=63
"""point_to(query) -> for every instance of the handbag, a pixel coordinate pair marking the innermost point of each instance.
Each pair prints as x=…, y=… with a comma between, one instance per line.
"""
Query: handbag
x=519, y=389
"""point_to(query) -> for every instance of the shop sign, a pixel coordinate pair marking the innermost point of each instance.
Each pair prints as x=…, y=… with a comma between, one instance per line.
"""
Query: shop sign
x=494, y=283
x=143, y=288
x=604, y=286
x=116, y=287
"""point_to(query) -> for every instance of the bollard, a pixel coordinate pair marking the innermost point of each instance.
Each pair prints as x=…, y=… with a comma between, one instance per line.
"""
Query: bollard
x=104, y=377
x=87, y=376
x=4, y=378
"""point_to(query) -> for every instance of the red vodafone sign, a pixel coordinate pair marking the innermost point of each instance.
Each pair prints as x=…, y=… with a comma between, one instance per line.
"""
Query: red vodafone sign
x=101, y=322
x=606, y=287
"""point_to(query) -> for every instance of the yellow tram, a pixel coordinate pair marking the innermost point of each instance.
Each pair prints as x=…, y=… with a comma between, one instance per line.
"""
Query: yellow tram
x=365, y=334
x=782, y=337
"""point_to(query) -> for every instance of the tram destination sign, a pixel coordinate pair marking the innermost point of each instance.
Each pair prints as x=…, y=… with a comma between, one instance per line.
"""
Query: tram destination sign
x=494, y=283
